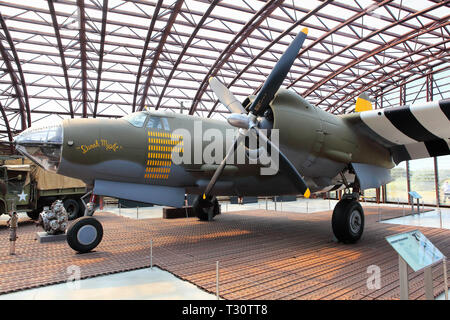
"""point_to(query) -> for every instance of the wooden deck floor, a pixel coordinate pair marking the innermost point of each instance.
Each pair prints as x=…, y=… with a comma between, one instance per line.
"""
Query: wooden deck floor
x=262, y=255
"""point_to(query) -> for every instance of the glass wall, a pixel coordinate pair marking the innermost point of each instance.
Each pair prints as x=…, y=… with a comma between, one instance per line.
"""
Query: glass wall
x=443, y=164
x=421, y=176
x=416, y=91
x=370, y=195
x=397, y=190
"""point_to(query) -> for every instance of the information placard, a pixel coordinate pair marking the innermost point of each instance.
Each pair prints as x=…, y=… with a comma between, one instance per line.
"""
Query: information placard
x=415, y=249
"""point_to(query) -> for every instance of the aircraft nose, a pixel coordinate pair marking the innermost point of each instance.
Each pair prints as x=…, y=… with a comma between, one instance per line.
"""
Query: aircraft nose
x=42, y=145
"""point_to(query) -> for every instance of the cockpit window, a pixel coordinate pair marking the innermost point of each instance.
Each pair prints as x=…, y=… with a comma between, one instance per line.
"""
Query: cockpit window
x=137, y=119
x=159, y=123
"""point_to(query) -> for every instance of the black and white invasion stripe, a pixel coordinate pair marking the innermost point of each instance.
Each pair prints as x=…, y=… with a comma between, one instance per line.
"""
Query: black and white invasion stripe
x=411, y=132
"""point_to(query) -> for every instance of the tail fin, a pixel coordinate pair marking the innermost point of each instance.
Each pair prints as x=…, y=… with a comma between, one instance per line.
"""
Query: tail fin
x=363, y=103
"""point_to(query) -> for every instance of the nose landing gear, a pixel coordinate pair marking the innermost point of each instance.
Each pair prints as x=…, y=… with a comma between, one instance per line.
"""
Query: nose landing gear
x=206, y=209
x=348, y=220
x=84, y=234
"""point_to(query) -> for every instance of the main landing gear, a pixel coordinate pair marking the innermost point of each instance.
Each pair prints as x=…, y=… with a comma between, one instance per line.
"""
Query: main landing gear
x=206, y=209
x=348, y=219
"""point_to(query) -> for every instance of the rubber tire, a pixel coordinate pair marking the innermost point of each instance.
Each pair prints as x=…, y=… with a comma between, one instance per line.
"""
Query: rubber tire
x=82, y=208
x=72, y=233
x=202, y=208
x=75, y=212
x=340, y=221
x=34, y=215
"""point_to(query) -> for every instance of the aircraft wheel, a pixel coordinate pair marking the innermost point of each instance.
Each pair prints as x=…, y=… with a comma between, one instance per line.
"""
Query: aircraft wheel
x=84, y=234
x=206, y=209
x=348, y=221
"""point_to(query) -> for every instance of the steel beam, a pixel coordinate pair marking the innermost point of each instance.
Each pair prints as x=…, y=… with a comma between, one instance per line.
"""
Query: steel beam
x=381, y=67
x=21, y=95
x=256, y=37
x=185, y=47
x=7, y=126
x=415, y=64
x=144, y=51
x=83, y=55
x=411, y=35
x=274, y=41
x=51, y=8
x=240, y=37
x=100, y=55
x=384, y=90
x=176, y=9
x=361, y=40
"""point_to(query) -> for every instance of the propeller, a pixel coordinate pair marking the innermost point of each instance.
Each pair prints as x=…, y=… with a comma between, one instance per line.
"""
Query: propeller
x=248, y=122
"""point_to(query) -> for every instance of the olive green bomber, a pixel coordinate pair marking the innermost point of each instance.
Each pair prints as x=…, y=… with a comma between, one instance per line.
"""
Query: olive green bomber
x=319, y=144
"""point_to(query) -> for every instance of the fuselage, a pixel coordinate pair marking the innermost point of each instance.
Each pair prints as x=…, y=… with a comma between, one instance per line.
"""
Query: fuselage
x=140, y=148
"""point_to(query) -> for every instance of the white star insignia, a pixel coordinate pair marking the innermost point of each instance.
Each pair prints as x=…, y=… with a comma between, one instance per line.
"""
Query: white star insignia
x=22, y=196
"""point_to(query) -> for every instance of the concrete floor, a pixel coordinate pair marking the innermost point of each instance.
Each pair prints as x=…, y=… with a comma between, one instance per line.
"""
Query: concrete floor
x=144, y=284
x=434, y=219
x=159, y=284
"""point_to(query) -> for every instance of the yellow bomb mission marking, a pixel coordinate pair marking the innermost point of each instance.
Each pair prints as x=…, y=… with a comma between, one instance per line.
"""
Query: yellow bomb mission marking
x=85, y=148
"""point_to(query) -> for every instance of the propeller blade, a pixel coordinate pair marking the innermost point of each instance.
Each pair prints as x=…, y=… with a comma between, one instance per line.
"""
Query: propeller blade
x=277, y=75
x=286, y=165
x=220, y=168
x=225, y=96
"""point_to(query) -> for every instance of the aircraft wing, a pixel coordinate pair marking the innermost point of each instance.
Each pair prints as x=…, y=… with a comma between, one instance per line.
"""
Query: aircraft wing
x=409, y=132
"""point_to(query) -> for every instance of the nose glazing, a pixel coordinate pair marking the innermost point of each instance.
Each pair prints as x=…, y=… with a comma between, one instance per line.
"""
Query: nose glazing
x=43, y=145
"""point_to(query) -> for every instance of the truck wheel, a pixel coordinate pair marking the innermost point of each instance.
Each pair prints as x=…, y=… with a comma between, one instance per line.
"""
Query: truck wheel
x=82, y=207
x=34, y=215
x=84, y=234
x=72, y=207
x=348, y=221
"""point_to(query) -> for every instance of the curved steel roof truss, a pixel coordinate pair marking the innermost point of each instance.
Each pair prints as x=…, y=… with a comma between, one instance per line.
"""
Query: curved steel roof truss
x=107, y=58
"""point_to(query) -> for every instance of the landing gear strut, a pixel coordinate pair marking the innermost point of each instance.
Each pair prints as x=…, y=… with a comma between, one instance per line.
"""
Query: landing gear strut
x=348, y=220
x=206, y=209
x=92, y=205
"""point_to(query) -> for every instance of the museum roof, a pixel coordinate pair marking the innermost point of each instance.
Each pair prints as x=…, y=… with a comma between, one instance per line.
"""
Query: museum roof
x=108, y=58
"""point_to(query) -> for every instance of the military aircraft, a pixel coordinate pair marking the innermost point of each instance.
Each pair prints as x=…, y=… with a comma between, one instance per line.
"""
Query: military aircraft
x=134, y=157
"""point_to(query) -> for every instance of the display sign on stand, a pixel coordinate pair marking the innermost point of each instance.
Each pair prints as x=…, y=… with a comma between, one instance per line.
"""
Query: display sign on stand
x=416, y=251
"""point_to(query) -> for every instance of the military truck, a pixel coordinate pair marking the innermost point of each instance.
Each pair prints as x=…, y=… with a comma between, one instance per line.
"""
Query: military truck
x=30, y=188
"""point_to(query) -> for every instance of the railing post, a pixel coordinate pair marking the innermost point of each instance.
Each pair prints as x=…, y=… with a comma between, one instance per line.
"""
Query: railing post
x=217, y=280
x=151, y=254
x=445, y=277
